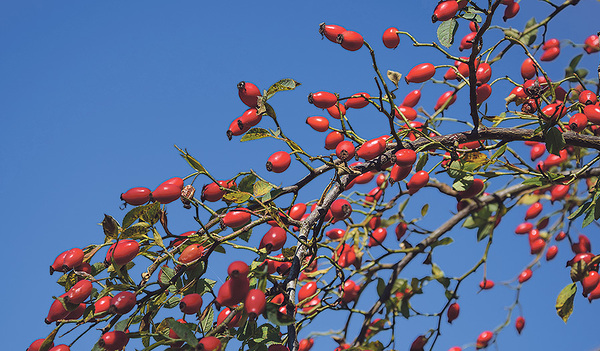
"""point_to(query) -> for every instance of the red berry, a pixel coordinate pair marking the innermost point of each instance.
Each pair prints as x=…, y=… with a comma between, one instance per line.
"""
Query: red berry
x=297, y=211
x=56, y=312
x=277, y=347
x=594, y=294
x=236, y=218
x=345, y=150
x=444, y=11
x=483, y=92
x=398, y=173
x=122, y=252
x=35, y=346
x=212, y=192
x=412, y=98
x=401, y=230
x=255, y=303
x=335, y=234
x=350, y=291
x=358, y=100
x=306, y=344
x=114, y=340
x=237, y=128
x=419, y=343
x=320, y=124
x=337, y=111
x=333, y=139
x=486, y=284
x=391, y=38
x=331, y=31
x=528, y=69
x=250, y=117
x=551, y=253
x=173, y=335
x=234, y=322
x=417, y=181
x=274, y=239
x=136, y=196
x=525, y=275
x=249, y=93
x=322, y=99
x=209, y=343
x=591, y=44
x=537, y=151
x=341, y=209
x=551, y=43
x=238, y=269
x=191, y=254
x=467, y=41
x=587, y=97
x=405, y=157
x=233, y=291
x=178, y=182
x=122, y=302
x=483, y=73
x=473, y=26
x=73, y=258
x=453, y=311
x=79, y=292
x=537, y=246
x=350, y=40
x=447, y=96
x=473, y=190
x=590, y=282
x=511, y=10
x=592, y=112
x=102, y=305
x=558, y=192
x=345, y=255
x=377, y=237
x=408, y=112
x=166, y=193
x=278, y=162
x=484, y=338
x=520, y=324
x=560, y=236
x=421, y=73
x=191, y=303
x=371, y=149
x=534, y=210
x=550, y=54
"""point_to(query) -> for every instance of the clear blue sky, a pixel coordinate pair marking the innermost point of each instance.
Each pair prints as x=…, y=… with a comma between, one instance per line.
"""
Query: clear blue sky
x=94, y=95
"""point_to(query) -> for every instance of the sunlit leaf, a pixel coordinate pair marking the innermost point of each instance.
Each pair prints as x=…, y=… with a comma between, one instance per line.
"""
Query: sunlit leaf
x=564, y=301
x=282, y=85
x=446, y=31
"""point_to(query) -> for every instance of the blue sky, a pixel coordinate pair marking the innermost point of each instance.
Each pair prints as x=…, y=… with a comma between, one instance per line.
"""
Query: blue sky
x=95, y=94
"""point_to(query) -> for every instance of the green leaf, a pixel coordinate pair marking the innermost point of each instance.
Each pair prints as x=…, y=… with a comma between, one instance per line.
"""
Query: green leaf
x=422, y=162
x=380, y=287
x=111, y=227
x=261, y=188
x=204, y=285
x=282, y=85
x=208, y=320
x=238, y=197
x=442, y=242
x=485, y=231
x=136, y=231
x=166, y=274
x=256, y=133
x=424, y=210
x=248, y=330
x=530, y=37
x=151, y=214
x=192, y=161
x=463, y=183
x=537, y=181
x=138, y=212
x=173, y=301
x=247, y=183
x=276, y=317
x=589, y=218
x=575, y=61
x=436, y=271
x=501, y=150
x=183, y=331
x=564, y=301
x=157, y=238
x=271, y=113
x=581, y=210
x=581, y=72
x=446, y=31
x=555, y=141
x=292, y=144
